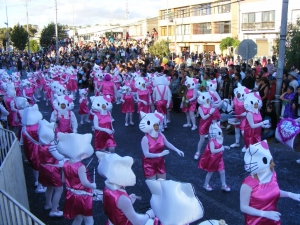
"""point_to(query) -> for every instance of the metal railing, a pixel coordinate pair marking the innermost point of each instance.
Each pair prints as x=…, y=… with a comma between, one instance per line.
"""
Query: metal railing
x=13, y=213
x=7, y=139
x=258, y=26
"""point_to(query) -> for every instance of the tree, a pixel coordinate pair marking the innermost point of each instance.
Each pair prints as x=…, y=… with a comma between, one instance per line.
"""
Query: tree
x=34, y=46
x=48, y=34
x=160, y=48
x=19, y=37
x=3, y=34
x=229, y=42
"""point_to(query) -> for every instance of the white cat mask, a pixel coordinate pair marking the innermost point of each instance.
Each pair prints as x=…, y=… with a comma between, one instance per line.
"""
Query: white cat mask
x=30, y=115
x=191, y=83
x=63, y=103
x=204, y=99
x=257, y=160
x=11, y=92
x=83, y=92
x=252, y=102
x=46, y=132
x=101, y=104
x=116, y=169
x=125, y=89
x=148, y=120
x=212, y=85
x=21, y=103
x=75, y=146
x=161, y=80
x=215, y=132
x=174, y=202
x=240, y=92
x=140, y=83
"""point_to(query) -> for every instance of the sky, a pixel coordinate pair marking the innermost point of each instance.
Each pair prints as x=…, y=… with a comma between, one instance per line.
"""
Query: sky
x=77, y=12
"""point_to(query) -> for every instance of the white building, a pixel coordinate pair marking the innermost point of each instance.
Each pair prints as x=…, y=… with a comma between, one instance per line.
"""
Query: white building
x=260, y=21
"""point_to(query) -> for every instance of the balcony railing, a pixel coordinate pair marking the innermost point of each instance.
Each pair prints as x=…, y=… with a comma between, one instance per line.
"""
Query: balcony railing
x=258, y=26
x=13, y=213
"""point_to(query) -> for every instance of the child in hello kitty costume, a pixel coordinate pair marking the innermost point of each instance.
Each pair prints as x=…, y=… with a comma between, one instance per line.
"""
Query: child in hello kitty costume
x=62, y=114
x=212, y=157
x=117, y=204
x=83, y=105
x=142, y=95
x=153, y=144
x=102, y=121
x=79, y=194
x=191, y=101
x=217, y=103
x=127, y=104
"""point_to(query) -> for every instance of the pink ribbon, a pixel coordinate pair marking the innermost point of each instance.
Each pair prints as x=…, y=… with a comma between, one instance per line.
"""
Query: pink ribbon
x=68, y=98
x=159, y=117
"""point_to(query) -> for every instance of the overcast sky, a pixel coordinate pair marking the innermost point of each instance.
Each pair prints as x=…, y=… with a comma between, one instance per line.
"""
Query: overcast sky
x=89, y=12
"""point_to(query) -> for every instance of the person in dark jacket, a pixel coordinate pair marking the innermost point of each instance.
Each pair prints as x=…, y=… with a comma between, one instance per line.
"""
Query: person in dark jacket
x=272, y=117
x=296, y=102
x=248, y=81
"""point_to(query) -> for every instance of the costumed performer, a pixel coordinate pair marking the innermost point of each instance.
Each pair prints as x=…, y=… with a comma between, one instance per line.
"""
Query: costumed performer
x=127, y=104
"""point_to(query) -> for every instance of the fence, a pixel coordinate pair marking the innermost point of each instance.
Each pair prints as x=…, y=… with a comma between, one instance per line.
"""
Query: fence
x=13, y=213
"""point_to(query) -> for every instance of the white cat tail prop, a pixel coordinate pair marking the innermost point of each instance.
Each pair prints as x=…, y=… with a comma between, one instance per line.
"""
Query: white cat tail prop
x=174, y=202
x=75, y=146
x=116, y=169
x=30, y=115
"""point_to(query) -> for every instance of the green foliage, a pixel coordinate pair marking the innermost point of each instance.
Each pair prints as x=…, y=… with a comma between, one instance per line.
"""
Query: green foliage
x=3, y=34
x=48, y=34
x=160, y=48
x=228, y=42
x=34, y=46
x=19, y=37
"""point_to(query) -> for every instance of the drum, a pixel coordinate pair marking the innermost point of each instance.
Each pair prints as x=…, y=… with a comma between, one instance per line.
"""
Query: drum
x=234, y=121
x=97, y=195
x=213, y=222
x=288, y=133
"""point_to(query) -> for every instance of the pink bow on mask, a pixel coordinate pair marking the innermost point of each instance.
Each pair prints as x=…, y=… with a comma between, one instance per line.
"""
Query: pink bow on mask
x=70, y=100
x=246, y=90
x=264, y=145
x=159, y=117
x=107, y=98
x=257, y=95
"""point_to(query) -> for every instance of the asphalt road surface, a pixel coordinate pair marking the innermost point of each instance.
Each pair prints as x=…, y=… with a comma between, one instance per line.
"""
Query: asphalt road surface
x=217, y=204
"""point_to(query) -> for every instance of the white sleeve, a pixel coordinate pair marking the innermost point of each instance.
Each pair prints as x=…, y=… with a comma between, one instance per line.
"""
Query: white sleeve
x=53, y=117
x=12, y=106
x=125, y=205
x=169, y=145
x=4, y=112
x=74, y=122
x=145, y=148
x=83, y=178
x=154, y=94
x=53, y=151
x=251, y=121
x=214, y=150
x=24, y=94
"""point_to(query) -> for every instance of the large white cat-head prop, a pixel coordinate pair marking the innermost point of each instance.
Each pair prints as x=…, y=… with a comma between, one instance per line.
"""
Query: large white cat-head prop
x=212, y=85
x=148, y=120
x=63, y=103
x=257, y=159
x=174, y=202
x=160, y=80
x=10, y=91
x=140, y=83
x=253, y=102
x=215, y=132
x=240, y=92
x=101, y=104
x=191, y=83
x=60, y=89
x=30, y=115
x=54, y=84
x=83, y=92
x=75, y=146
x=116, y=169
x=21, y=103
x=204, y=99
x=46, y=132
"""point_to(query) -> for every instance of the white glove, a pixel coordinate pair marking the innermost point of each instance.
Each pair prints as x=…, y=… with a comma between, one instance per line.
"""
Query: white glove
x=163, y=153
x=222, y=149
x=132, y=198
x=145, y=103
x=167, y=106
x=122, y=100
x=266, y=122
x=266, y=126
x=294, y=196
x=181, y=153
x=226, y=147
x=74, y=131
x=272, y=215
x=244, y=114
x=150, y=213
x=108, y=131
x=187, y=101
x=93, y=185
x=212, y=110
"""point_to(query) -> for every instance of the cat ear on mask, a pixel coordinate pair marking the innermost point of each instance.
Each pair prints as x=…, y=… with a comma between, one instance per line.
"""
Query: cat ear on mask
x=154, y=186
x=100, y=155
x=143, y=114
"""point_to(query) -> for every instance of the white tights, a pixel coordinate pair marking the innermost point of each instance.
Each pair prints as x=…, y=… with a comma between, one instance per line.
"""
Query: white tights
x=222, y=177
x=157, y=176
x=238, y=134
x=56, y=197
x=88, y=220
x=128, y=115
x=190, y=117
x=200, y=143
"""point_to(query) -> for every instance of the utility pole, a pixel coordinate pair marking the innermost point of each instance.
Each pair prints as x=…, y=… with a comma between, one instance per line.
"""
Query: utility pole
x=26, y=5
x=283, y=30
x=126, y=11
x=56, y=33
x=168, y=20
x=7, y=34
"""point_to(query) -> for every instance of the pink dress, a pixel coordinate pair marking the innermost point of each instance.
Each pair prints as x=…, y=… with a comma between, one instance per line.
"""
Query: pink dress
x=72, y=83
x=76, y=204
x=263, y=197
x=108, y=89
x=143, y=95
x=116, y=81
x=29, y=93
x=192, y=104
x=128, y=105
x=212, y=162
x=238, y=110
x=110, y=201
x=161, y=105
x=12, y=117
x=204, y=124
x=104, y=140
x=98, y=84
x=64, y=124
x=31, y=149
x=252, y=136
x=152, y=166
x=216, y=115
x=49, y=176
x=83, y=108
x=132, y=86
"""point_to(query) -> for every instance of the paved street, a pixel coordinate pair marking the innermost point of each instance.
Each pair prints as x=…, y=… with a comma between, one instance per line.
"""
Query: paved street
x=217, y=204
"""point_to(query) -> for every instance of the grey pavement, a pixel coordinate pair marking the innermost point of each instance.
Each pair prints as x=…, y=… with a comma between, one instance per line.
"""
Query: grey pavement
x=217, y=204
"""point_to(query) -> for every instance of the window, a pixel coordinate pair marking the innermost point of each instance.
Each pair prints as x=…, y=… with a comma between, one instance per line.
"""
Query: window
x=224, y=8
x=163, y=31
x=268, y=16
x=248, y=17
x=202, y=28
x=202, y=10
x=295, y=15
x=183, y=29
x=223, y=27
x=164, y=15
x=182, y=12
